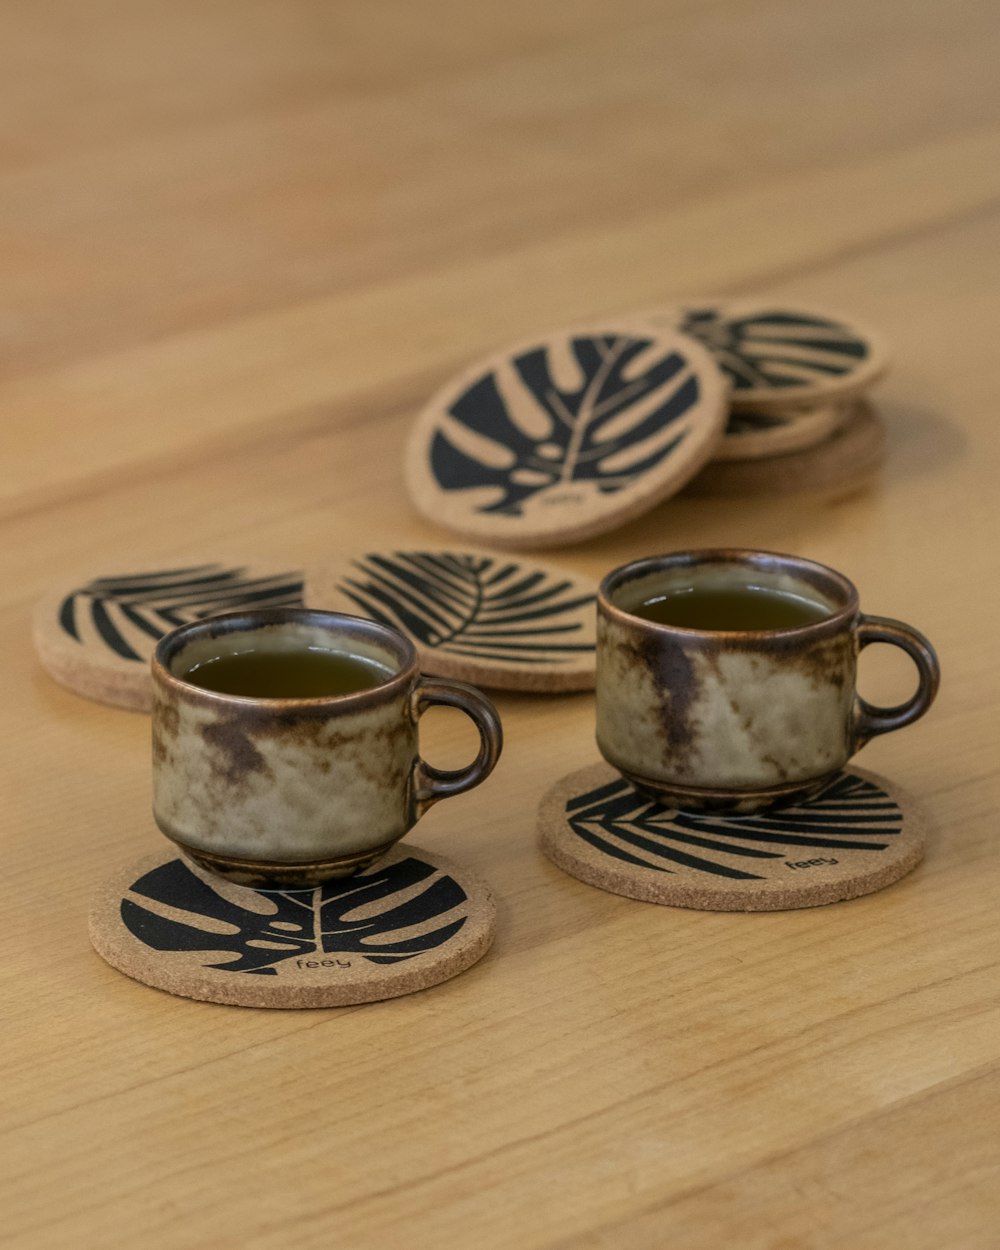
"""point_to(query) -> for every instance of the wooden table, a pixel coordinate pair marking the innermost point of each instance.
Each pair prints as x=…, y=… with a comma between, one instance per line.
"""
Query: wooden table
x=243, y=241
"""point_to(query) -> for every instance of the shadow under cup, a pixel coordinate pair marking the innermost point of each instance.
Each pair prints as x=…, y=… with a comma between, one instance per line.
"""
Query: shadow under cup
x=737, y=719
x=291, y=791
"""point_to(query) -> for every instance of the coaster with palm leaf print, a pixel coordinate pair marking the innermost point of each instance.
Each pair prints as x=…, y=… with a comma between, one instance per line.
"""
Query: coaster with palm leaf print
x=497, y=621
x=857, y=835
x=776, y=356
x=408, y=922
x=95, y=634
x=566, y=435
x=753, y=435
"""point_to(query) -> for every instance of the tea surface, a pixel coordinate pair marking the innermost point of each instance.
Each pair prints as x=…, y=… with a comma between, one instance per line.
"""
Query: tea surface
x=304, y=674
x=745, y=607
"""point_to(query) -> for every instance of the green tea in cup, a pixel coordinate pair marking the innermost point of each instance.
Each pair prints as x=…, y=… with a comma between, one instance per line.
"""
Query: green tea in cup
x=310, y=673
x=749, y=607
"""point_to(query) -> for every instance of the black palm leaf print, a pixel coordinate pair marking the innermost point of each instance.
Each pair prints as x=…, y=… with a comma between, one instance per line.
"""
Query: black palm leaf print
x=605, y=414
x=774, y=349
x=850, y=813
x=472, y=605
x=130, y=612
x=175, y=910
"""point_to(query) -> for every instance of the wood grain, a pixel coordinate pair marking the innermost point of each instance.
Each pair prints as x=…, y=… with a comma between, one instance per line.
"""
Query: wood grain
x=242, y=245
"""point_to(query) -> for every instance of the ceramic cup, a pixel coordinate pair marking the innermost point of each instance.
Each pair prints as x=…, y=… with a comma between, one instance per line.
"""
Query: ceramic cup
x=737, y=720
x=293, y=791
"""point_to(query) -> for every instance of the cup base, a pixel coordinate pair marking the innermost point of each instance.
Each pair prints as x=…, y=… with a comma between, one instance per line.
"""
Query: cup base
x=722, y=799
x=273, y=875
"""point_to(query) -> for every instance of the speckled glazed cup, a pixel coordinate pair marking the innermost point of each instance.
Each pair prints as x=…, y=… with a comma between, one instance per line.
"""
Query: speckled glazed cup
x=740, y=720
x=291, y=792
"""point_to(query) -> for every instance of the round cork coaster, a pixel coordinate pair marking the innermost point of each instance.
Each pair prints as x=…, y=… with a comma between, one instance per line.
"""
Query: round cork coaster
x=408, y=922
x=96, y=633
x=843, y=462
x=754, y=435
x=858, y=835
x=497, y=621
x=566, y=435
x=779, y=355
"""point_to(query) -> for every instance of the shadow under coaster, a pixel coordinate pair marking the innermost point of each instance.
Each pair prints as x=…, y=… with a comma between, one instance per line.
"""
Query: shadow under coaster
x=410, y=921
x=857, y=835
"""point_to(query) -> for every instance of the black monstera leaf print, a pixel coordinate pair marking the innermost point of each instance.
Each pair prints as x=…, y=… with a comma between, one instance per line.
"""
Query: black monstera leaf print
x=129, y=613
x=775, y=349
x=472, y=605
x=173, y=909
x=850, y=813
x=604, y=413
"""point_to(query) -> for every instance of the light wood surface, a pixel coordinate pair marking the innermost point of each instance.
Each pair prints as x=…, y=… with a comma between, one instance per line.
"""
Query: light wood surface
x=243, y=242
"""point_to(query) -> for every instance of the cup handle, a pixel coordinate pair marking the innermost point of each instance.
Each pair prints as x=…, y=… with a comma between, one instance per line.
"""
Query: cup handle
x=431, y=784
x=869, y=720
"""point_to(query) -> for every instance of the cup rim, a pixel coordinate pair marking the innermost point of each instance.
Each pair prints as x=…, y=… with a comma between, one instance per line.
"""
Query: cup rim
x=811, y=570
x=171, y=644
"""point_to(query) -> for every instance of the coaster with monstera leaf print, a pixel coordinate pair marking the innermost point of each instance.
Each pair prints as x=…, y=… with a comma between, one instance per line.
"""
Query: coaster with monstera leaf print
x=857, y=835
x=779, y=356
x=406, y=923
x=96, y=633
x=566, y=435
x=494, y=620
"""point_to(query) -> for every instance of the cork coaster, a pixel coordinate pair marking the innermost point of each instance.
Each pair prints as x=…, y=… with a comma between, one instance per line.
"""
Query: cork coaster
x=858, y=835
x=845, y=461
x=408, y=922
x=567, y=435
x=95, y=634
x=496, y=621
x=778, y=355
x=753, y=435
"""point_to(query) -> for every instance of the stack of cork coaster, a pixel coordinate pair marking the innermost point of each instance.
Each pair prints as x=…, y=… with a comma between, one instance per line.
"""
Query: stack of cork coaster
x=857, y=835
x=845, y=461
x=572, y=433
x=798, y=420
x=408, y=922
